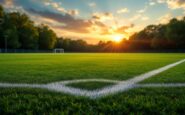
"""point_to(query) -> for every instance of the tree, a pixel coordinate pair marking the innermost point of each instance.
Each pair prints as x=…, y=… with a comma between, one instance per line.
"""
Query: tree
x=78, y=45
x=27, y=32
x=20, y=20
x=175, y=32
x=29, y=37
x=67, y=44
x=9, y=33
x=171, y=35
x=12, y=38
x=47, y=38
x=72, y=45
x=59, y=43
x=1, y=26
x=159, y=40
x=1, y=12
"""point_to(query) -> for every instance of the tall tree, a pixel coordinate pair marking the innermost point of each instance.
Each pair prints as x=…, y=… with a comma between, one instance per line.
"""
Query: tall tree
x=47, y=38
x=1, y=26
x=9, y=33
x=159, y=40
x=29, y=38
x=27, y=32
x=11, y=38
x=175, y=31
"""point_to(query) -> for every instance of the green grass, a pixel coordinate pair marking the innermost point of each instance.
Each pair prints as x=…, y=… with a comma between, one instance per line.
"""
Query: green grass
x=137, y=101
x=45, y=68
x=173, y=75
x=90, y=85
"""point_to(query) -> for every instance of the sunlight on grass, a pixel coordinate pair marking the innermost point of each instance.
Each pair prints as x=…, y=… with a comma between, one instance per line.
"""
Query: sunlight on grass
x=46, y=68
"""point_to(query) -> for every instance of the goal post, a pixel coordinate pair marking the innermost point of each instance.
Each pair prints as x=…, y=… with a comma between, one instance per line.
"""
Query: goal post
x=58, y=50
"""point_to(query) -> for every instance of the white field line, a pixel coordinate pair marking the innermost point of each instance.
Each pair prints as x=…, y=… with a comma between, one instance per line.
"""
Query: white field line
x=161, y=85
x=88, y=80
x=14, y=85
x=119, y=87
x=128, y=84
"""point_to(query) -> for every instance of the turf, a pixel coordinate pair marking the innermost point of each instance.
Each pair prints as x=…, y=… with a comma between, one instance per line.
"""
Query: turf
x=137, y=101
x=173, y=75
x=45, y=68
x=90, y=85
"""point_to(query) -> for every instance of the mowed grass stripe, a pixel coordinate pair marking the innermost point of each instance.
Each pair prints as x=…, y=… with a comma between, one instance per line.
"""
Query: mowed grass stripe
x=46, y=68
x=173, y=75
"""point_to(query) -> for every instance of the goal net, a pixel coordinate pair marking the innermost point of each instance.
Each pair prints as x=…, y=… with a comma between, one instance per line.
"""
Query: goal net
x=58, y=50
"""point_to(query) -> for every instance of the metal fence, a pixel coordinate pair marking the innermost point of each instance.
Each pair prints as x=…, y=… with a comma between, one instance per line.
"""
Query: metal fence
x=24, y=51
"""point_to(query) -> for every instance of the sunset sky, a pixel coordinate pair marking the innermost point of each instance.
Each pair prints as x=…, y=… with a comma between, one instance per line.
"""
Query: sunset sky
x=94, y=20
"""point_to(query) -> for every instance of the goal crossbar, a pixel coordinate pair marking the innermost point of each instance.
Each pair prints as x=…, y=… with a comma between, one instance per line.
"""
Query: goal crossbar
x=58, y=50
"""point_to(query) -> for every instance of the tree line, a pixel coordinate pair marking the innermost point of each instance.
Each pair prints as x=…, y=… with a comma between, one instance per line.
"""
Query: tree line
x=162, y=36
x=21, y=33
x=170, y=36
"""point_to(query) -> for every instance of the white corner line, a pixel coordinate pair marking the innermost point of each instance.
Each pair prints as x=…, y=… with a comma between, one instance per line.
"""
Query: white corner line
x=120, y=86
x=130, y=83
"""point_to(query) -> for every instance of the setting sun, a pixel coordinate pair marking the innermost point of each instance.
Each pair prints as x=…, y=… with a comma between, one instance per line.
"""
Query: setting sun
x=117, y=38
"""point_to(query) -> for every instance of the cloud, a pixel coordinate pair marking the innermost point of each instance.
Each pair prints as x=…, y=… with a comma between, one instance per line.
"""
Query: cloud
x=145, y=18
x=53, y=4
x=123, y=29
x=142, y=10
x=67, y=21
x=135, y=17
x=99, y=28
x=102, y=16
x=124, y=10
x=64, y=21
x=73, y=12
x=92, y=4
x=173, y=4
x=165, y=19
x=139, y=17
x=152, y=3
x=8, y=4
x=161, y=1
x=58, y=7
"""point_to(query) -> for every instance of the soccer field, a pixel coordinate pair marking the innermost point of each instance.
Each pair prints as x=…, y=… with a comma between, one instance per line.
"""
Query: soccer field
x=89, y=73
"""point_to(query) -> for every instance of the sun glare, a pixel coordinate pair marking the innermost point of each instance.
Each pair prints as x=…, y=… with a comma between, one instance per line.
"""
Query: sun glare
x=117, y=38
